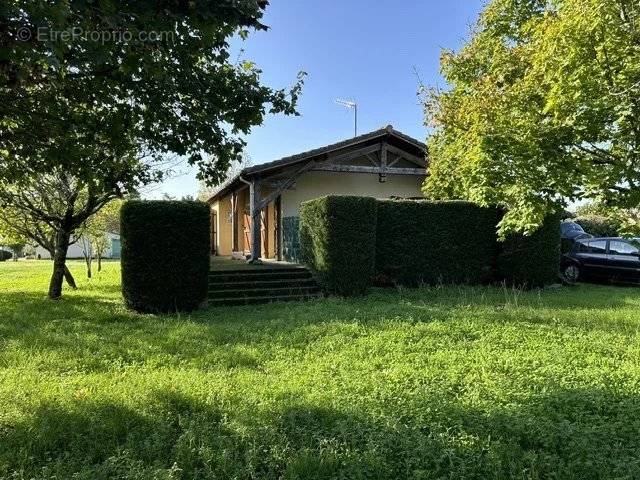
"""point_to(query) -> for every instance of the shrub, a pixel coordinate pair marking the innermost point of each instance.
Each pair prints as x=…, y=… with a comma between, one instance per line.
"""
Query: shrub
x=599, y=226
x=5, y=255
x=338, y=242
x=432, y=242
x=534, y=260
x=165, y=255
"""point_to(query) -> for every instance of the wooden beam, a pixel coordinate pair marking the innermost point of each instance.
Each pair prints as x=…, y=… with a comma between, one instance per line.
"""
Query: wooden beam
x=278, y=227
x=372, y=159
x=359, y=169
x=361, y=152
x=254, y=206
x=408, y=156
x=382, y=177
x=286, y=184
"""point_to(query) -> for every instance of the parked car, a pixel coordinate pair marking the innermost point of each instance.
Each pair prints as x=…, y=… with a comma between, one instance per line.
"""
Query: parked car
x=613, y=259
x=572, y=231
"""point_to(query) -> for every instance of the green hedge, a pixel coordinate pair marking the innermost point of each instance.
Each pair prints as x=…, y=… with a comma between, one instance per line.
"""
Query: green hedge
x=338, y=241
x=599, y=226
x=435, y=242
x=353, y=242
x=165, y=255
x=534, y=260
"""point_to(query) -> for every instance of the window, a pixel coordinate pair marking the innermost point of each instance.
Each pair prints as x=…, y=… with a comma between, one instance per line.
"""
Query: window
x=618, y=247
x=597, y=246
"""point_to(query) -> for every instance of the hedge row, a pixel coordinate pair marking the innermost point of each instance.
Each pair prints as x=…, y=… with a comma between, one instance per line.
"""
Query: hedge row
x=435, y=242
x=337, y=236
x=532, y=260
x=165, y=255
x=353, y=241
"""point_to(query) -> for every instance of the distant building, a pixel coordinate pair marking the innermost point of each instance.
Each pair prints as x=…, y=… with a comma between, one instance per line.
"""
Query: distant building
x=75, y=250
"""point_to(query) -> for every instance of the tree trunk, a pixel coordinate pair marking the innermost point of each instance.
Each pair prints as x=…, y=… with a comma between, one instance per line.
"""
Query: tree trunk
x=99, y=262
x=69, y=278
x=88, y=260
x=67, y=273
x=59, y=263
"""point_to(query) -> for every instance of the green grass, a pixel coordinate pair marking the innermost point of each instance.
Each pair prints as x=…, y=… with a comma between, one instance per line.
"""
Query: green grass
x=447, y=382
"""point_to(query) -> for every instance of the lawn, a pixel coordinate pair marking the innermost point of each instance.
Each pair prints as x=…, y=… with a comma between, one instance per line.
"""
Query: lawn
x=448, y=382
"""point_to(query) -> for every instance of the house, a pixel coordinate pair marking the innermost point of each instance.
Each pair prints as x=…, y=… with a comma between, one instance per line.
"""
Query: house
x=383, y=163
x=75, y=249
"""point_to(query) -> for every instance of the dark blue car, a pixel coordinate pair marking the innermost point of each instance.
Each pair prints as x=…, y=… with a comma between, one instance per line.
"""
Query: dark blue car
x=612, y=259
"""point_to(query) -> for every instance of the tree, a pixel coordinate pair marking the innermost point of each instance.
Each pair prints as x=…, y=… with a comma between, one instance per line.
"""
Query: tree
x=543, y=108
x=604, y=220
x=13, y=240
x=96, y=94
x=106, y=221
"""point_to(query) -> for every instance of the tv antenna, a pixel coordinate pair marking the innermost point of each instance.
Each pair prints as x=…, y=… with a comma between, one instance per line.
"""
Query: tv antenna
x=350, y=104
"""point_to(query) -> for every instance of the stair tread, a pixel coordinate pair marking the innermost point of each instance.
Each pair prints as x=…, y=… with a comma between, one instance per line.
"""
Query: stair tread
x=262, y=293
x=272, y=298
x=257, y=271
x=294, y=281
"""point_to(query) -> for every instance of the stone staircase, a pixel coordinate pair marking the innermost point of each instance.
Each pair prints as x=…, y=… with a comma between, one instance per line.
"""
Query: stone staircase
x=246, y=286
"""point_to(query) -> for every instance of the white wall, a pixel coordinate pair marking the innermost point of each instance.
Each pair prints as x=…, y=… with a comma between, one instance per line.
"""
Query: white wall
x=318, y=184
x=75, y=250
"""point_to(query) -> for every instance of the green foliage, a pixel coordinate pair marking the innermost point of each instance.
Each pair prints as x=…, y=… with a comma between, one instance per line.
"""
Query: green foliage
x=5, y=255
x=599, y=225
x=90, y=87
x=435, y=242
x=165, y=255
x=542, y=109
x=338, y=242
x=436, y=383
x=415, y=242
x=531, y=260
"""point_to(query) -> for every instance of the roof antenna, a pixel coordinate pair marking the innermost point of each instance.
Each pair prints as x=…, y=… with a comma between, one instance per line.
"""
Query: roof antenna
x=351, y=105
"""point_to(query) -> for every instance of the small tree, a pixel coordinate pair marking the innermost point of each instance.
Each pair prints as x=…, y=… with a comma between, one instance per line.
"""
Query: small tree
x=158, y=80
x=106, y=221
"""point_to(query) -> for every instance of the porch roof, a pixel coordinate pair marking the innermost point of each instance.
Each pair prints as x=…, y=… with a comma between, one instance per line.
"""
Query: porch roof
x=388, y=133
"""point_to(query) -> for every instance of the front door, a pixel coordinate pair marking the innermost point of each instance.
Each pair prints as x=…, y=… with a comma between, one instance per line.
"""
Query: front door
x=247, y=232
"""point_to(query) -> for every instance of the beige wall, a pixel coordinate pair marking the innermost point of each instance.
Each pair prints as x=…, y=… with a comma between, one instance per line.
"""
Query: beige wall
x=318, y=184
x=223, y=209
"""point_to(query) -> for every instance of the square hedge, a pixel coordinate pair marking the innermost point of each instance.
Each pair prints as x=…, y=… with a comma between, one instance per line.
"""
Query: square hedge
x=165, y=255
x=338, y=241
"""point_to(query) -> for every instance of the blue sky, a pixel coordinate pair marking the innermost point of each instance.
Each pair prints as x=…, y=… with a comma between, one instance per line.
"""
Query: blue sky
x=355, y=49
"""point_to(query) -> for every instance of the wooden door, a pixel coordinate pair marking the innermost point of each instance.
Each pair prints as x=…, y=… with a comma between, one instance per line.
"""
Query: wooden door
x=247, y=232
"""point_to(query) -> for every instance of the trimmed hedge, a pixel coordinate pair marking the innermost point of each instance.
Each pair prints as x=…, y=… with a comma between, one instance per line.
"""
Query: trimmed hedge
x=338, y=242
x=165, y=255
x=531, y=261
x=352, y=242
x=435, y=242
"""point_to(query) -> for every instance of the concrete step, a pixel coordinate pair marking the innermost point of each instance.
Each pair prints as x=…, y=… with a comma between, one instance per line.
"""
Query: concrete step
x=265, y=299
x=299, y=274
x=254, y=271
x=268, y=291
x=260, y=283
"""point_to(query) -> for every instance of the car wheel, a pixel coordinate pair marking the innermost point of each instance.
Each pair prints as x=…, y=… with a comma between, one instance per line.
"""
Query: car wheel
x=571, y=273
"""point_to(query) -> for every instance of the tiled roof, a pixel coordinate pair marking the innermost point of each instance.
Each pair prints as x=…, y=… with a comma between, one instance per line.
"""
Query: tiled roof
x=301, y=157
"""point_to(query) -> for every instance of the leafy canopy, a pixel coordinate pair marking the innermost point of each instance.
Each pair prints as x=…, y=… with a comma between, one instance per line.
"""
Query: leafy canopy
x=89, y=87
x=543, y=108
